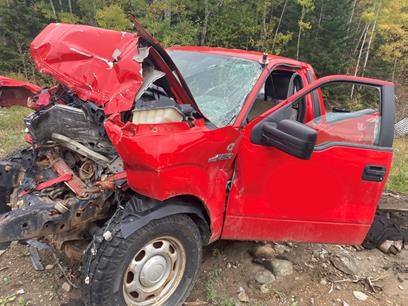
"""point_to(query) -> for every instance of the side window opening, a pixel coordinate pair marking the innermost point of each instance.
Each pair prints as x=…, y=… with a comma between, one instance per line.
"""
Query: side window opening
x=356, y=114
x=279, y=85
x=352, y=113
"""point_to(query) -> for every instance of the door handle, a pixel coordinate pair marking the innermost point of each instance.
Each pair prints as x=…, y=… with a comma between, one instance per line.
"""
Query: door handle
x=374, y=173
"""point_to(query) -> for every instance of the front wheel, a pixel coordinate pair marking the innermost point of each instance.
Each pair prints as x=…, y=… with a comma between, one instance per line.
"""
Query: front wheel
x=156, y=265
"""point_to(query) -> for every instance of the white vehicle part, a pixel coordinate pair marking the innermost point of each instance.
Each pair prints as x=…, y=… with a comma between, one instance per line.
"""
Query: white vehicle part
x=157, y=115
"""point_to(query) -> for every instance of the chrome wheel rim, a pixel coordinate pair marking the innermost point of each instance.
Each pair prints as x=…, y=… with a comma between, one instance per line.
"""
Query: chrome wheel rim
x=155, y=272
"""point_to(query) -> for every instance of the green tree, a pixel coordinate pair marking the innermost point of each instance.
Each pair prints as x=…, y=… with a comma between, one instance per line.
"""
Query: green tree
x=233, y=29
x=19, y=23
x=327, y=45
x=365, y=37
x=307, y=6
x=113, y=17
x=393, y=29
x=170, y=21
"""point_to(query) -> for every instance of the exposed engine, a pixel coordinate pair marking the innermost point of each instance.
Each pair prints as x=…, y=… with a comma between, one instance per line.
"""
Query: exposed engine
x=72, y=179
x=67, y=182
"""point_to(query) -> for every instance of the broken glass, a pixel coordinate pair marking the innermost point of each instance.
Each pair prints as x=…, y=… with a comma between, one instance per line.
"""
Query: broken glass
x=219, y=84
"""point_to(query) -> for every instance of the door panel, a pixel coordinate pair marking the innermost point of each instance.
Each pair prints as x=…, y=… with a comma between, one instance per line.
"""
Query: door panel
x=303, y=200
x=276, y=196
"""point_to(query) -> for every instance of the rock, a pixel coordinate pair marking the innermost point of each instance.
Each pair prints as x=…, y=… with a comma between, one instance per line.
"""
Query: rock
x=309, y=265
x=400, y=278
x=360, y=295
x=107, y=236
x=20, y=291
x=3, y=247
x=6, y=280
x=49, y=267
x=264, y=288
x=281, y=267
x=264, y=277
x=242, y=296
x=344, y=262
x=345, y=303
x=323, y=254
x=323, y=282
x=280, y=248
x=66, y=287
x=253, y=269
x=401, y=287
x=264, y=251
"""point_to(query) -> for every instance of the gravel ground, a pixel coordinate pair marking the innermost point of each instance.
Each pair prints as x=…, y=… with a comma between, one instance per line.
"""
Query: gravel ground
x=229, y=276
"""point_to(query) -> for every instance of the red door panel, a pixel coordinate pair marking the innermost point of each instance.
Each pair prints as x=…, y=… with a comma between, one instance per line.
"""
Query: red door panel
x=276, y=196
x=315, y=200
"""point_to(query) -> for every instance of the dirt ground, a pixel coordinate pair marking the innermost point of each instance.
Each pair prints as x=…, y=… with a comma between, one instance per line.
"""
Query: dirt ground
x=228, y=268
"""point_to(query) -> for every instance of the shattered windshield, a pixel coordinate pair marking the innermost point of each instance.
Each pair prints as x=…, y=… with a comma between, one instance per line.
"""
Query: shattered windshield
x=219, y=84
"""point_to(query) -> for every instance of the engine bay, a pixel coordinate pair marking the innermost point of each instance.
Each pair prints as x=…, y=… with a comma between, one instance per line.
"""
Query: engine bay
x=69, y=179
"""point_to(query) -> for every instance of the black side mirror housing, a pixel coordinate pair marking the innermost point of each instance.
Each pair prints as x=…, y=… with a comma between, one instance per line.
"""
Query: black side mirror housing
x=290, y=136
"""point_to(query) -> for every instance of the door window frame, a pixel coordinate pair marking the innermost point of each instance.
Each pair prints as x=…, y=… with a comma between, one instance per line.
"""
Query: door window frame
x=241, y=120
x=386, y=109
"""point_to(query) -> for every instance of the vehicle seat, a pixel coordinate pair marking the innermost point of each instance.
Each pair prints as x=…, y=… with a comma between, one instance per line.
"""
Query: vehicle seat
x=295, y=84
x=265, y=100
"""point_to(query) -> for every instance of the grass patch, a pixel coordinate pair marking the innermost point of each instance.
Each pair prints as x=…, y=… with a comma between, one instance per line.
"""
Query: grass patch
x=210, y=291
x=398, y=178
x=213, y=298
x=12, y=128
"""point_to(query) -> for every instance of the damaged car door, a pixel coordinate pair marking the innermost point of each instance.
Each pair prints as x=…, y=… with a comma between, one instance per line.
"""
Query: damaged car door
x=315, y=180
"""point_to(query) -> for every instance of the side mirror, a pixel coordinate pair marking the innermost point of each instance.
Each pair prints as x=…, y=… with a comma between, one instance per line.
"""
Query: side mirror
x=290, y=136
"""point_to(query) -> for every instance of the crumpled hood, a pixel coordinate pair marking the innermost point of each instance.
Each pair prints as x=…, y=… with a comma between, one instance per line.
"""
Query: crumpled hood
x=83, y=58
x=104, y=66
x=15, y=92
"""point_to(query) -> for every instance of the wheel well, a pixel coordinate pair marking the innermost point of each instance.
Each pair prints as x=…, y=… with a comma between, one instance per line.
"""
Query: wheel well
x=203, y=225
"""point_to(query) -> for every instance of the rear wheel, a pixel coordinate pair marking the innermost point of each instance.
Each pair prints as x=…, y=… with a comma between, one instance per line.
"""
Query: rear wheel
x=157, y=265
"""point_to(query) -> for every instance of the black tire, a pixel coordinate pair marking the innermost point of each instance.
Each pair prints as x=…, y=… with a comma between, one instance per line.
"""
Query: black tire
x=103, y=271
x=17, y=156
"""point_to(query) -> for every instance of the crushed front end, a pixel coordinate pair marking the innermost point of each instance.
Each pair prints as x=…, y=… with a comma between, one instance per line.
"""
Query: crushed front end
x=71, y=179
x=67, y=181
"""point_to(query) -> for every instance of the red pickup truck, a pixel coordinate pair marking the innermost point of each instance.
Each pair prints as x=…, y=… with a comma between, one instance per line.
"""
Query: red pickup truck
x=140, y=156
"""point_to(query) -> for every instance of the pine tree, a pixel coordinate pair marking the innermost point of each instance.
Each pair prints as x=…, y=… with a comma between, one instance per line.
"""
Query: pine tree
x=327, y=47
x=19, y=23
